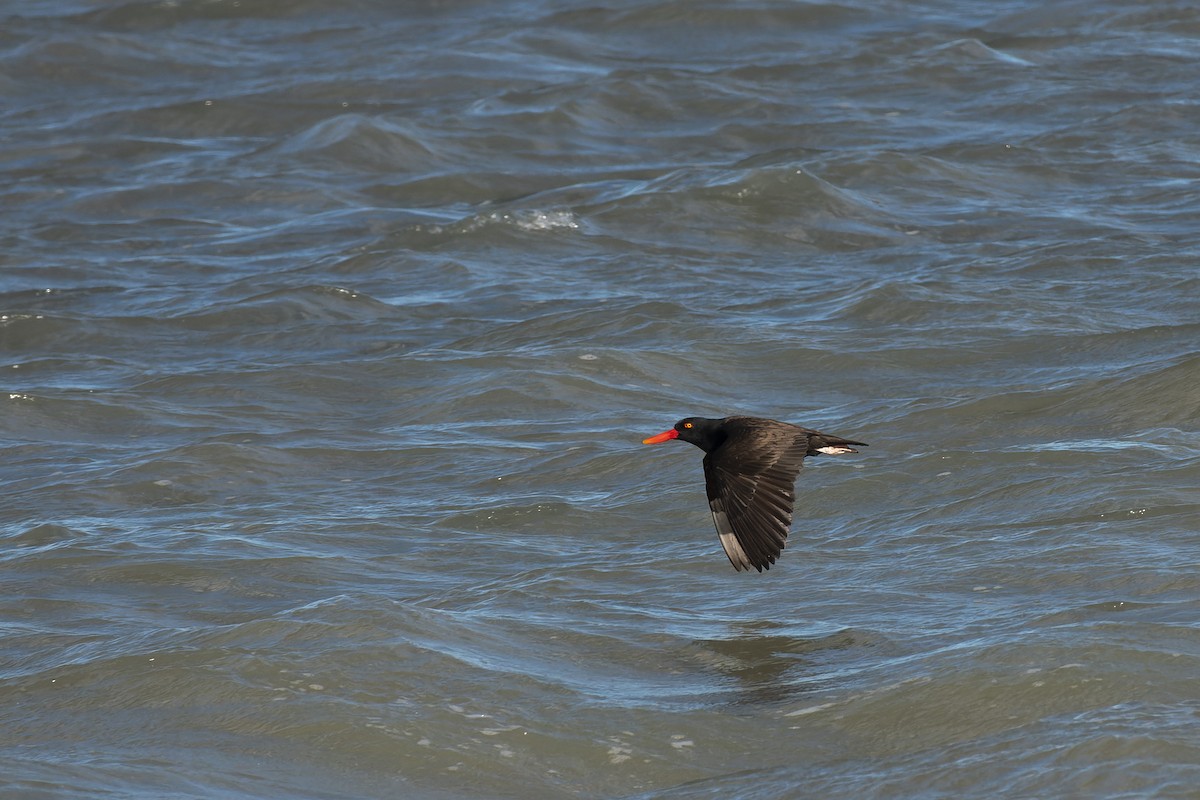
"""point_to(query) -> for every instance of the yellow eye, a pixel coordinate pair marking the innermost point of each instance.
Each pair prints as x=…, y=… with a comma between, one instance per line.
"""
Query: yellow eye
x=687, y=424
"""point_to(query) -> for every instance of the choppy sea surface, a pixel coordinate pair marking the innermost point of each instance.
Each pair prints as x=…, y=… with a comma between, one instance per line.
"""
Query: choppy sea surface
x=329, y=332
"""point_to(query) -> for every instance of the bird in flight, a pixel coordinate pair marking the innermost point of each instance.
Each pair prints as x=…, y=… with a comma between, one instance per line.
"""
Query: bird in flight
x=750, y=469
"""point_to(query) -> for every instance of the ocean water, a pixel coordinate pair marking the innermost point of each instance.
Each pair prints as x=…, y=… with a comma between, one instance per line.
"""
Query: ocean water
x=329, y=333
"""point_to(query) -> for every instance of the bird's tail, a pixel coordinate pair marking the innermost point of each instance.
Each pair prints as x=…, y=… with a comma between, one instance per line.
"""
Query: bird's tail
x=819, y=443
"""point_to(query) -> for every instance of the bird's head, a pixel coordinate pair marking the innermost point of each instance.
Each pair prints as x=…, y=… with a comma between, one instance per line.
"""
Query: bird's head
x=704, y=433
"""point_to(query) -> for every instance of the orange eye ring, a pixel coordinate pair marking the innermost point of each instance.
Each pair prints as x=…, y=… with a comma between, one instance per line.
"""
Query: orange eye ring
x=687, y=424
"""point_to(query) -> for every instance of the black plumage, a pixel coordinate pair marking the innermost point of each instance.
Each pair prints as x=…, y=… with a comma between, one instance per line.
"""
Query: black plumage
x=750, y=469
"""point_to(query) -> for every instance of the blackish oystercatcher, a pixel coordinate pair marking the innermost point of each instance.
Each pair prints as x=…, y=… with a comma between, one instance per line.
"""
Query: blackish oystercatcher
x=750, y=469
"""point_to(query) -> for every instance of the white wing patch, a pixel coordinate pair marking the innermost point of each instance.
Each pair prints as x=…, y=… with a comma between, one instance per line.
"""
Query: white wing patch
x=733, y=548
x=836, y=450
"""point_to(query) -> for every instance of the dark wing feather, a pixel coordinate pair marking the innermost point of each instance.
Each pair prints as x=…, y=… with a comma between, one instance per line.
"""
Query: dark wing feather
x=751, y=490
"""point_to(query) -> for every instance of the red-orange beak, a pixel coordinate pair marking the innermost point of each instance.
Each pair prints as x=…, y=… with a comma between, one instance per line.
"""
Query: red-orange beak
x=665, y=436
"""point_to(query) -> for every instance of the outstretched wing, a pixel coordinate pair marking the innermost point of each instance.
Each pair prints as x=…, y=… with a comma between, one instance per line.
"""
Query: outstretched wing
x=752, y=506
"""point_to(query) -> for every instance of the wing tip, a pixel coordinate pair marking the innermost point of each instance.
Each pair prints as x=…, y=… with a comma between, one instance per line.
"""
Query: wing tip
x=737, y=554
